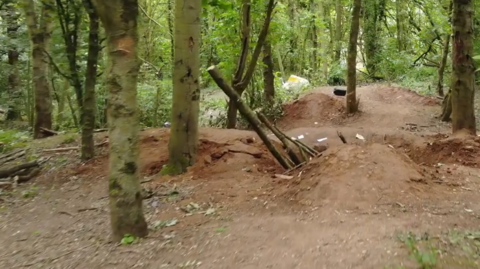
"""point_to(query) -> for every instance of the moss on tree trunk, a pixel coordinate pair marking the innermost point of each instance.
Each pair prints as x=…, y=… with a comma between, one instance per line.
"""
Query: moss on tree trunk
x=183, y=142
x=119, y=18
x=40, y=29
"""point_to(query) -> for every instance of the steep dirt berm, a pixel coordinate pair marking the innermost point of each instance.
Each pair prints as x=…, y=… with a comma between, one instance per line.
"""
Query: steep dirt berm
x=312, y=109
x=359, y=177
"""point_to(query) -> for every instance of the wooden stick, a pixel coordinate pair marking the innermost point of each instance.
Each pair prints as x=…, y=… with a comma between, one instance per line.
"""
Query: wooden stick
x=296, y=160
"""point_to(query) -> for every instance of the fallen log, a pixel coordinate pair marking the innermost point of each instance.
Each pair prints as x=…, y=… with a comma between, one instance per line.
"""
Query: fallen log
x=12, y=170
x=5, y=158
x=248, y=114
x=14, y=174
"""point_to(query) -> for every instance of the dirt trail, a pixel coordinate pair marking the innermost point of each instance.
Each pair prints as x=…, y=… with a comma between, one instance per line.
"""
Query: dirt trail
x=354, y=207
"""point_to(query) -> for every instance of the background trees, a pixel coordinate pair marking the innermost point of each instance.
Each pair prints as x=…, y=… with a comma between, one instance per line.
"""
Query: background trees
x=307, y=38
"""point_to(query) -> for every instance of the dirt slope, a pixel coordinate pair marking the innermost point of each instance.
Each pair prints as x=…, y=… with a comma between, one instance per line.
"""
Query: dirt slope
x=346, y=209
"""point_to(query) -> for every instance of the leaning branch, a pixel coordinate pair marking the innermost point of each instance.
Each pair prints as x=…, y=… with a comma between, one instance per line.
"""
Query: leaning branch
x=248, y=114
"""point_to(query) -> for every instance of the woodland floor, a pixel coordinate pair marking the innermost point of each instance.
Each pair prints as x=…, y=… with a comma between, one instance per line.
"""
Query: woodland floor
x=408, y=188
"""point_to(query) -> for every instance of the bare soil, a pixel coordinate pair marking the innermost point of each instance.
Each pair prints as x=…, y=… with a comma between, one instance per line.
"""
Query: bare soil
x=401, y=193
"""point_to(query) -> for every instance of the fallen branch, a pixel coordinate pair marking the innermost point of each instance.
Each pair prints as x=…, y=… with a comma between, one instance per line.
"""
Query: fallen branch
x=72, y=148
x=48, y=132
x=340, y=135
x=11, y=156
x=248, y=114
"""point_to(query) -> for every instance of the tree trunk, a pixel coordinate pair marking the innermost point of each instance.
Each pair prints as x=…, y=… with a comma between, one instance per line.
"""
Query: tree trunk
x=268, y=76
x=119, y=18
x=60, y=93
x=400, y=21
x=243, y=74
x=170, y=27
x=352, y=104
x=463, y=75
x=89, y=101
x=338, y=29
x=40, y=29
x=183, y=143
x=13, y=87
x=371, y=35
x=443, y=63
x=69, y=14
x=313, y=9
x=324, y=44
x=447, y=107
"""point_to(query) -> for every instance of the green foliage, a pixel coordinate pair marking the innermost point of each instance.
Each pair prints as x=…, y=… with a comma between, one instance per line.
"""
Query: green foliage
x=12, y=139
x=425, y=257
x=128, y=239
x=155, y=102
x=31, y=192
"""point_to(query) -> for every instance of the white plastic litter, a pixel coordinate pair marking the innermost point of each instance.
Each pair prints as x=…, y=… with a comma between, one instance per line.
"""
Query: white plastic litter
x=295, y=83
x=358, y=136
x=301, y=137
x=322, y=139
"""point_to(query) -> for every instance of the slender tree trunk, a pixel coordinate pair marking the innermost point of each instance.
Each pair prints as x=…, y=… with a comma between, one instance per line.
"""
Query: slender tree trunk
x=443, y=64
x=371, y=35
x=119, y=18
x=170, y=14
x=268, y=76
x=40, y=29
x=463, y=75
x=400, y=21
x=11, y=17
x=338, y=29
x=245, y=28
x=89, y=101
x=324, y=44
x=314, y=36
x=352, y=104
x=183, y=144
x=60, y=93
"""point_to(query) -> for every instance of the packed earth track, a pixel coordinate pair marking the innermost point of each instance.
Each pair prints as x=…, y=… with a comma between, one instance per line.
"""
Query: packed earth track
x=402, y=193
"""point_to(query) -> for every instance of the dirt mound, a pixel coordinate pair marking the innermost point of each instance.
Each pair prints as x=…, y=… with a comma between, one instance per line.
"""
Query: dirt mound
x=312, y=109
x=396, y=95
x=452, y=150
x=220, y=151
x=359, y=177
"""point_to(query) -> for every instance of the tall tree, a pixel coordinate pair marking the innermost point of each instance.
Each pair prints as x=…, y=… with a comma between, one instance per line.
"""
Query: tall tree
x=11, y=16
x=40, y=29
x=463, y=75
x=338, y=29
x=89, y=103
x=183, y=142
x=119, y=18
x=352, y=104
x=373, y=14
